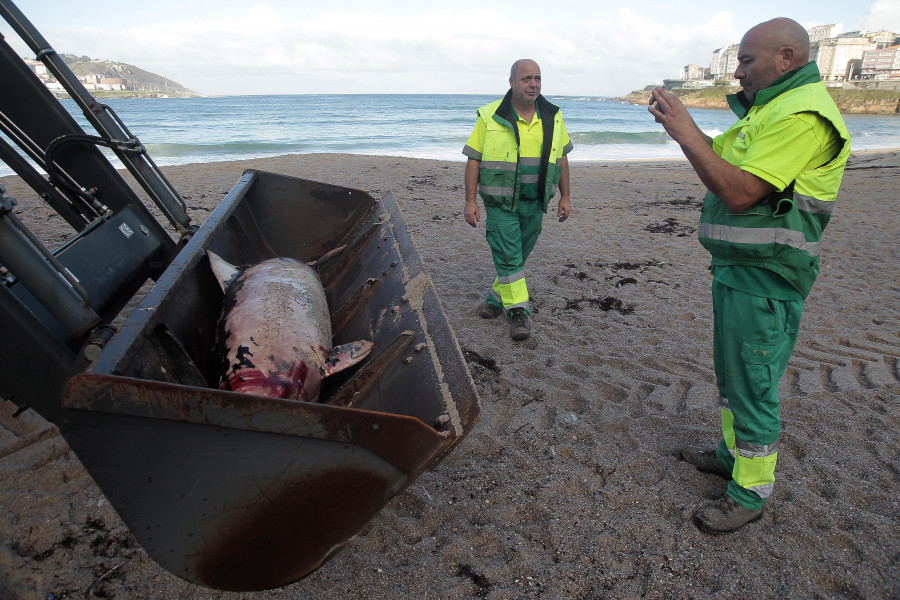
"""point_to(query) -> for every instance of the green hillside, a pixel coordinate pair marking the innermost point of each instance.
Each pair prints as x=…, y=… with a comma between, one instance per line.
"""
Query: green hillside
x=138, y=80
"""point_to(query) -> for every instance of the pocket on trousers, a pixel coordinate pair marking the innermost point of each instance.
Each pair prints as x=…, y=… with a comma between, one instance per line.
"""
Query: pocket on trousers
x=760, y=359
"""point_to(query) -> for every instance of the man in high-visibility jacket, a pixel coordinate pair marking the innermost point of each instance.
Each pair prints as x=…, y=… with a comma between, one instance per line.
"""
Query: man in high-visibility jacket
x=517, y=162
x=772, y=181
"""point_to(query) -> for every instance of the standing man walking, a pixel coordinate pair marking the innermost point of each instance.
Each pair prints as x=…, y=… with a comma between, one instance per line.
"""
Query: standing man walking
x=772, y=180
x=517, y=162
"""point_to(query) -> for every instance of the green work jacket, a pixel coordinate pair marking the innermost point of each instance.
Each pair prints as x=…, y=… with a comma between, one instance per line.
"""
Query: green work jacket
x=497, y=179
x=782, y=232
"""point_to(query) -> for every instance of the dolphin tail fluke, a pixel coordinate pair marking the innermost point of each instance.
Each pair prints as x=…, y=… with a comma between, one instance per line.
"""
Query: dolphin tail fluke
x=224, y=271
x=346, y=355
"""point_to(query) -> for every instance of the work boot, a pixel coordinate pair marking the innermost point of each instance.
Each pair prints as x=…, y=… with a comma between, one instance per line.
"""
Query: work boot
x=490, y=311
x=520, y=330
x=705, y=460
x=725, y=516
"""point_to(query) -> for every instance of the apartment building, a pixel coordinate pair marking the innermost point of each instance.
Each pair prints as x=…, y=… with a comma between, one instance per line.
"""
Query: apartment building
x=881, y=65
x=820, y=33
x=693, y=72
x=724, y=62
x=884, y=39
x=835, y=56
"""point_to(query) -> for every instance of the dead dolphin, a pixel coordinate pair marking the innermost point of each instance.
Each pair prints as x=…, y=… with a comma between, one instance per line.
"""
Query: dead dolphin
x=274, y=335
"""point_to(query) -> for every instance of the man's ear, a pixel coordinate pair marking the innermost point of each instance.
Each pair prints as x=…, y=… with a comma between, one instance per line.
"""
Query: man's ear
x=784, y=59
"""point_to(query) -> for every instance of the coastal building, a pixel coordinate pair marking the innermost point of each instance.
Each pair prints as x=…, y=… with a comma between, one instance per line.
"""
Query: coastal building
x=694, y=84
x=884, y=39
x=820, y=33
x=716, y=65
x=881, y=65
x=835, y=56
x=112, y=84
x=694, y=72
x=98, y=82
x=724, y=62
x=39, y=69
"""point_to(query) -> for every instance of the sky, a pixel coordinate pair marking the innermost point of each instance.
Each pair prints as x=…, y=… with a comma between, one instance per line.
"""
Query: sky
x=589, y=48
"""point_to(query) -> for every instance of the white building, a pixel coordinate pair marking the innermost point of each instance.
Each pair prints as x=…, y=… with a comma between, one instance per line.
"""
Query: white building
x=112, y=84
x=731, y=60
x=693, y=72
x=39, y=69
x=884, y=39
x=724, y=62
x=716, y=64
x=820, y=33
x=834, y=55
x=698, y=83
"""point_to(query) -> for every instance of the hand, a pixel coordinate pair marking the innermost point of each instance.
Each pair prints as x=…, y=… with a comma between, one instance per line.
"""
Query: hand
x=564, y=208
x=472, y=215
x=668, y=111
x=658, y=102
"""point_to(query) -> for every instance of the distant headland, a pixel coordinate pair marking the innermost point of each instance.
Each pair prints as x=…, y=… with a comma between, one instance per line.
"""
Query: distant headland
x=110, y=79
x=849, y=99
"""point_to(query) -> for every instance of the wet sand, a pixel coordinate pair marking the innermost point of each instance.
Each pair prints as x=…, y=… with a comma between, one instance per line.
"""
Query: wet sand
x=571, y=485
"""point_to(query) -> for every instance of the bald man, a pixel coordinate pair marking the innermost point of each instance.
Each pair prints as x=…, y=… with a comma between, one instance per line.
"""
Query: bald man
x=772, y=180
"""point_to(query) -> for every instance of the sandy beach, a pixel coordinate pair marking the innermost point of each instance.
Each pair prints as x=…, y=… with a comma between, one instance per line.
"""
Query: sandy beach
x=570, y=485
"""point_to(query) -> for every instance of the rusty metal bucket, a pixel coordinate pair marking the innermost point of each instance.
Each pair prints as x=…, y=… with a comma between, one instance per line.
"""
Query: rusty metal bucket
x=240, y=492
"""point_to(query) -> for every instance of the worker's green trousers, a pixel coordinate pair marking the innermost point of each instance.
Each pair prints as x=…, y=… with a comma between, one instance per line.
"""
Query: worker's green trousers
x=512, y=234
x=752, y=343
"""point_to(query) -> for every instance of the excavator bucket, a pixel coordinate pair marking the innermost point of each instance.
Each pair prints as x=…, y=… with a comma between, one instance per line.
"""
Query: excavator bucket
x=230, y=491
x=242, y=492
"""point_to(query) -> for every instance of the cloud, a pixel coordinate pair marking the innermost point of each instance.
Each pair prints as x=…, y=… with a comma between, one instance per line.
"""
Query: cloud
x=340, y=51
x=882, y=14
x=260, y=50
x=609, y=55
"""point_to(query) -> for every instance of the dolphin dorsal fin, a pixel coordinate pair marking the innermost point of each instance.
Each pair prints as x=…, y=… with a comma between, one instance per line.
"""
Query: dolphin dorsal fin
x=224, y=271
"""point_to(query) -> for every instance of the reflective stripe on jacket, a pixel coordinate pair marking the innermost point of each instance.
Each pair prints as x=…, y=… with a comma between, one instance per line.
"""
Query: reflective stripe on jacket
x=498, y=183
x=782, y=232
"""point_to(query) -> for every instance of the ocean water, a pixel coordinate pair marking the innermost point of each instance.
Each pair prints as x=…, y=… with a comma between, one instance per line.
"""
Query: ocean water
x=195, y=130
